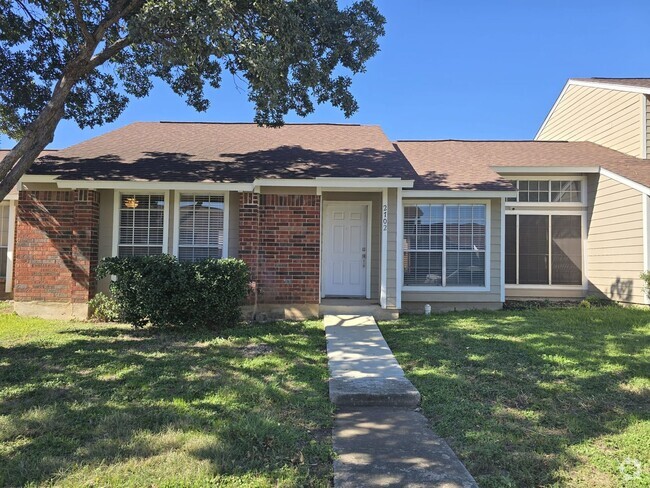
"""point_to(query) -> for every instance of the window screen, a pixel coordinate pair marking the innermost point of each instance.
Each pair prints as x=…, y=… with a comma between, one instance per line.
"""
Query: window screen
x=511, y=249
x=200, y=227
x=444, y=245
x=141, y=225
x=566, y=268
x=533, y=249
x=4, y=239
x=545, y=243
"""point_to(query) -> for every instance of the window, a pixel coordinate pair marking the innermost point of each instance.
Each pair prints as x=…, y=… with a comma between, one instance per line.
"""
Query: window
x=4, y=239
x=444, y=245
x=545, y=191
x=543, y=249
x=142, y=219
x=200, y=227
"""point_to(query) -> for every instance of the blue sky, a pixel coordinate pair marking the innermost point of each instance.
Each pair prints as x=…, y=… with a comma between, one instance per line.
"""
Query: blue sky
x=459, y=69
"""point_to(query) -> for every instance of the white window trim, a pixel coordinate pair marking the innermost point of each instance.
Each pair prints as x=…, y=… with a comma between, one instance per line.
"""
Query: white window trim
x=177, y=215
x=488, y=248
x=117, y=200
x=583, y=230
x=581, y=179
x=11, y=230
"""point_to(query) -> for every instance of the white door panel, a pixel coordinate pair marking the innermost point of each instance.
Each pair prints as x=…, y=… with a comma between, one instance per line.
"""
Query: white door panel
x=345, y=233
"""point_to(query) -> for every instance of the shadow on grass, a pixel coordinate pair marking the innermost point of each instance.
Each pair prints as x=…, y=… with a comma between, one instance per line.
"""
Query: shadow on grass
x=110, y=395
x=514, y=392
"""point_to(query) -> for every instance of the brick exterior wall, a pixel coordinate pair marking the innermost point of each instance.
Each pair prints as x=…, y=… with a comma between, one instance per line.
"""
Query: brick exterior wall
x=56, y=246
x=279, y=238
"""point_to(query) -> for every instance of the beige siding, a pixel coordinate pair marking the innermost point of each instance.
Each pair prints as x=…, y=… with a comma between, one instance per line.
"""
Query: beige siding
x=647, y=124
x=375, y=234
x=607, y=117
x=391, y=268
x=233, y=224
x=484, y=299
x=615, y=240
x=105, y=247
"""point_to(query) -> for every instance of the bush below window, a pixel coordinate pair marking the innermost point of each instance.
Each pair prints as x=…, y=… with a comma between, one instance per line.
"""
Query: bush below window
x=163, y=292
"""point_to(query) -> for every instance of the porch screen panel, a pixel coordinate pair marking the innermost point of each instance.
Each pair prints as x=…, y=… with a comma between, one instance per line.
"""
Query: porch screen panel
x=566, y=250
x=511, y=249
x=533, y=250
x=141, y=225
x=200, y=227
x=4, y=239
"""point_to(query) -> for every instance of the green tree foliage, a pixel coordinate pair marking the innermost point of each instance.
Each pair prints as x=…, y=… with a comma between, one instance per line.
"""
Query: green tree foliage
x=84, y=59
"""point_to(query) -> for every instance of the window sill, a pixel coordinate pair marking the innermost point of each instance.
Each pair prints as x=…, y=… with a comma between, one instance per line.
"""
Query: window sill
x=446, y=289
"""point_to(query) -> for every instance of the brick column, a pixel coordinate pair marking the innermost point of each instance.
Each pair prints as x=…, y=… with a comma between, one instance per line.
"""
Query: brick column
x=56, y=252
x=279, y=238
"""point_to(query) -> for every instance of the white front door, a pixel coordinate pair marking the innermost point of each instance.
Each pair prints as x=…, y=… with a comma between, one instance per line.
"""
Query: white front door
x=345, y=249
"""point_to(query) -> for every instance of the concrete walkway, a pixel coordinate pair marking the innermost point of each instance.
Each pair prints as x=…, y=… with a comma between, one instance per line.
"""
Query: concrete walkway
x=379, y=437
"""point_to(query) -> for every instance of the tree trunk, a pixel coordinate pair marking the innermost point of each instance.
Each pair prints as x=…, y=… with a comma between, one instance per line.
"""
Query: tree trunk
x=41, y=132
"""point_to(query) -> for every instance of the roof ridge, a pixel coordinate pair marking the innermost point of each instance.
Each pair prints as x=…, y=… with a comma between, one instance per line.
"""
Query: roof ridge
x=481, y=140
x=255, y=123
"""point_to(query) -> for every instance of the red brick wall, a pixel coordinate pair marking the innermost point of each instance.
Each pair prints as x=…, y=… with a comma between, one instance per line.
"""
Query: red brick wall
x=56, y=246
x=279, y=238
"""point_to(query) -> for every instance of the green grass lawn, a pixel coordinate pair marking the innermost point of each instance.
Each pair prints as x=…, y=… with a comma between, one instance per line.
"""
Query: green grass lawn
x=550, y=397
x=104, y=405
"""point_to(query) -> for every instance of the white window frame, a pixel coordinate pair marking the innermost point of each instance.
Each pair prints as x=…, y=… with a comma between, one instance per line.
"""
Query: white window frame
x=583, y=235
x=117, y=203
x=11, y=223
x=177, y=215
x=516, y=178
x=488, y=247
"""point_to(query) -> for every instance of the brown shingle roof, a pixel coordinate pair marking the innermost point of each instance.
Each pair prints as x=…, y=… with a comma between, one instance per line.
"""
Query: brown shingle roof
x=468, y=165
x=211, y=152
x=631, y=82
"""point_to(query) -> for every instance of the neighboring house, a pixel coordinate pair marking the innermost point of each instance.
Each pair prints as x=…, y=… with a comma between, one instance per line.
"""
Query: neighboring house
x=336, y=217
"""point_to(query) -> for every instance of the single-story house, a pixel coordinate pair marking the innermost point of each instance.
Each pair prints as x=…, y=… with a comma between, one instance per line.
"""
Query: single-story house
x=336, y=217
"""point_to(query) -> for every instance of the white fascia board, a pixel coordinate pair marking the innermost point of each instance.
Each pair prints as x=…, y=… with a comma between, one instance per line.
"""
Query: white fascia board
x=622, y=179
x=334, y=183
x=458, y=194
x=610, y=86
x=545, y=170
x=153, y=185
x=38, y=179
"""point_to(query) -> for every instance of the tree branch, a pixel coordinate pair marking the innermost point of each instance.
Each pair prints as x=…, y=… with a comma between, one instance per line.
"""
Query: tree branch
x=110, y=51
x=82, y=23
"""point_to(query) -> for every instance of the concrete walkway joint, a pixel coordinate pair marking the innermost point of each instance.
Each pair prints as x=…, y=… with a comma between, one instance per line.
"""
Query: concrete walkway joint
x=379, y=438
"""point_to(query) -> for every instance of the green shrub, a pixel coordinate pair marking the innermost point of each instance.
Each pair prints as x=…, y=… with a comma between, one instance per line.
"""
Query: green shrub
x=645, y=276
x=104, y=308
x=163, y=292
x=596, y=301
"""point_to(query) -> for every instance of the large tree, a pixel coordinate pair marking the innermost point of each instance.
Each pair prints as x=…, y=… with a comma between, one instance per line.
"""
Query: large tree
x=84, y=59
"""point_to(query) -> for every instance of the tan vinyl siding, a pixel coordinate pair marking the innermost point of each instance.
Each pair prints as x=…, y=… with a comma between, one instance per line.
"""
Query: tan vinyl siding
x=607, y=117
x=544, y=293
x=647, y=125
x=375, y=231
x=615, y=240
x=482, y=299
x=105, y=246
x=233, y=224
x=391, y=268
